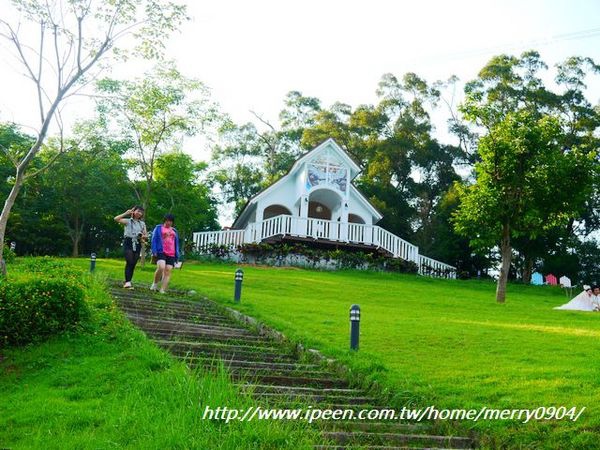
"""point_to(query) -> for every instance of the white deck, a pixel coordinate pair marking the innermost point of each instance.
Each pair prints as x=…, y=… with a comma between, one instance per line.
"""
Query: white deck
x=326, y=230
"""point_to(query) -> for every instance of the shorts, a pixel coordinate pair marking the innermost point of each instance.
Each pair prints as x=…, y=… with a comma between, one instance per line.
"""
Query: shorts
x=169, y=260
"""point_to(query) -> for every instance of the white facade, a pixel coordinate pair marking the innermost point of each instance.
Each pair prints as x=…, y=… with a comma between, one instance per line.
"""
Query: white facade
x=319, y=185
x=316, y=200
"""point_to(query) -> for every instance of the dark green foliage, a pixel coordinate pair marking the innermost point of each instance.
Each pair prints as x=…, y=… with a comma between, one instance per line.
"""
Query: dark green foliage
x=177, y=189
x=47, y=265
x=8, y=254
x=31, y=310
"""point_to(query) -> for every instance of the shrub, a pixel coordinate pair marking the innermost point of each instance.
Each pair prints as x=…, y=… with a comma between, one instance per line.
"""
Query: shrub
x=45, y=265
x=219, y=251
x=35, y=309
x=256, y=251
x=400, y=265
x=8, y=254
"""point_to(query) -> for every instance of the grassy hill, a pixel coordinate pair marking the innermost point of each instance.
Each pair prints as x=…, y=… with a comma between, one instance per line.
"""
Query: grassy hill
x=445, y=343
x=107, y=386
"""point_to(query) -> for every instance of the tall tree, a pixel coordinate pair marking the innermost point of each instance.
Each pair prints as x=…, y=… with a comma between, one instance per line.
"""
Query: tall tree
x=238, y=163
x=512, y=87
x=154, y=112
x=89, y=183
x=60, y=44
x=524, y=186
x=179, y=190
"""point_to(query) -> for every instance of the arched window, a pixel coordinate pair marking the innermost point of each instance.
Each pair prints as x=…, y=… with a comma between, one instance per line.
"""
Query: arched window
x=275, y=210
x=355, y=218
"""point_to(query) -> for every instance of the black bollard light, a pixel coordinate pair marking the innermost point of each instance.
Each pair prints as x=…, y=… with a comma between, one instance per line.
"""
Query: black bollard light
x=354, y=326
x=239, y=277
x=92, y=262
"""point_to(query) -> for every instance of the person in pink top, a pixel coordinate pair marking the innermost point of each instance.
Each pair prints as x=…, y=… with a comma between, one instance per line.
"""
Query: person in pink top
x=165, y=247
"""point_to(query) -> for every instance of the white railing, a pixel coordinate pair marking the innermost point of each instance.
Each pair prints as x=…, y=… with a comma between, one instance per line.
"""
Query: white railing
x=284, y=225
x=429, y=266
x=228, y=238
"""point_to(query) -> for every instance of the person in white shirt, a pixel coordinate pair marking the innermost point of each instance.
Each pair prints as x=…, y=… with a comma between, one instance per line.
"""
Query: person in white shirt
x=134, y=236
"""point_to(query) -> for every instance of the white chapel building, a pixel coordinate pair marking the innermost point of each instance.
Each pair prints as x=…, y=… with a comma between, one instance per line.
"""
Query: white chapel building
x=316, y=201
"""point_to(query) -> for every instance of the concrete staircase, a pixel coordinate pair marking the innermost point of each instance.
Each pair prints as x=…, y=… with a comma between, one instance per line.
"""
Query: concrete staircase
x=276, y=373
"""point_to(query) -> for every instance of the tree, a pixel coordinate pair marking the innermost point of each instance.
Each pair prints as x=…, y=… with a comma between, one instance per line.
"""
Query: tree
x=509, y=91
x=238, y=163
x=525, y=185
x=180, y=191
x=89, y=184
x=62, y=43
x=12, y=142
x=76, y=200
x=154, y=112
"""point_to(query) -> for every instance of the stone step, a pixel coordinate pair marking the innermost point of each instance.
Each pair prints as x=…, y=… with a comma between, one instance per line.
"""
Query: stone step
x=179, y=325
x=190, y=333
x=166, y=302
x=175, y=336
x=155, y=295
x=224, y=340
x=176, y=315
x=289, y=380
x=255, y=346
x=251, y=372
x=271, y=365
x=370, y=438
x=191, y=316
x=323, y=400
x=300, y=390
x=225, y=355
x=193, y=331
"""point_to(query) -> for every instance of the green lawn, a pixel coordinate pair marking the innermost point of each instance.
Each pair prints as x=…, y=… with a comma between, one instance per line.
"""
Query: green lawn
x=433, y=342
x=107, y=386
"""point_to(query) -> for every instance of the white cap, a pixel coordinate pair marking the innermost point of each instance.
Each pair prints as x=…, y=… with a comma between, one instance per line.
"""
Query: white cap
x=586, y=287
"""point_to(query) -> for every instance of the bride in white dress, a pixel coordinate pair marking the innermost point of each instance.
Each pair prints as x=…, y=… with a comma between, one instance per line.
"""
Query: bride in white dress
x=583, y=302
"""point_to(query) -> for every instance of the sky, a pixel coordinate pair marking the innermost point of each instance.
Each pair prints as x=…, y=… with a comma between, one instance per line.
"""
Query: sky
x=251, y=53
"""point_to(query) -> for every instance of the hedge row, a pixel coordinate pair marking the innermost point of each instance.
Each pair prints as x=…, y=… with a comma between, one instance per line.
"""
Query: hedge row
x=343, y=259
x=32, y=310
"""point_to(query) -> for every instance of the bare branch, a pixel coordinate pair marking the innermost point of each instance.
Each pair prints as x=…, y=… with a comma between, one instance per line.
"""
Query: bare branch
x=13, y=37
x=267, y=123
x=41, y=61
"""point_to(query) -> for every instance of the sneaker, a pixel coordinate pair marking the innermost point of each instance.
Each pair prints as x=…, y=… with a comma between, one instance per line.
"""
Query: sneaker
x=153, y=287
x=162, y=291
x=128, y=285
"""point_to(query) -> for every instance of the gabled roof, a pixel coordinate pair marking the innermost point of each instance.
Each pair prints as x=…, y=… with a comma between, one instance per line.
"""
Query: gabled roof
x=329, y=143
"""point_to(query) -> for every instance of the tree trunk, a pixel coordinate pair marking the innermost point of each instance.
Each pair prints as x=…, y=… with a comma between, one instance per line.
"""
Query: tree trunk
x=8, y=204
x=506, y=254
x=527, y=269
x=145, y=204
x=75, y=238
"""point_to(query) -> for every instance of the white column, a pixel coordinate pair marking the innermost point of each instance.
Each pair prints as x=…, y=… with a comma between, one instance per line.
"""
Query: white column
x=302, y=222
x=344, y=220
x=260, y=209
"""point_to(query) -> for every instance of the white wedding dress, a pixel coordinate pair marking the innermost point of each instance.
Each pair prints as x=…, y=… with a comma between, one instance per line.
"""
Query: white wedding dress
x=583, y=302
